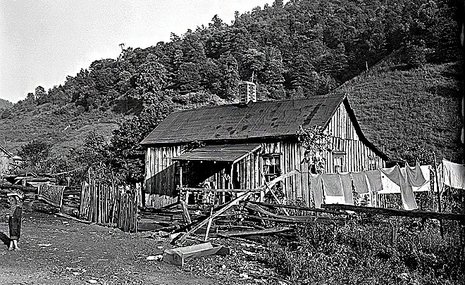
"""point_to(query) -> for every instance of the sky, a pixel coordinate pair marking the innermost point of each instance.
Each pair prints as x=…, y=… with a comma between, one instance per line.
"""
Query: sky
x=43, y=41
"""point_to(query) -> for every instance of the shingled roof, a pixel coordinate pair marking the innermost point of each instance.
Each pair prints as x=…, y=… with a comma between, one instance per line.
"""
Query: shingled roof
x=263, y=119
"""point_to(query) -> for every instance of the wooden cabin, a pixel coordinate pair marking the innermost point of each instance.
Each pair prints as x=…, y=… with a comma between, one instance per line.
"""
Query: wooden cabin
x=240, y=146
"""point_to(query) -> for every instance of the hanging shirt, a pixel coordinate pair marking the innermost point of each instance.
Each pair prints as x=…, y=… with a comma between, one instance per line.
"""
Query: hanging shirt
x=425, y=170
x=316, y=186
x=360, y=182
x=389, y=187
x=346, y=182
x=414, y=175
x=406, y=191
x=374, y=180
x=332, y=184
x=454, y=174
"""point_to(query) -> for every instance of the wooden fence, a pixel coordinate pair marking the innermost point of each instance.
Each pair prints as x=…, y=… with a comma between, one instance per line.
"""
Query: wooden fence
x=103, y=202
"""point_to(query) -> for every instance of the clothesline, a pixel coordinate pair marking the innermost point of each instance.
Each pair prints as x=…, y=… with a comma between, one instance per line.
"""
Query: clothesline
x=339, y=188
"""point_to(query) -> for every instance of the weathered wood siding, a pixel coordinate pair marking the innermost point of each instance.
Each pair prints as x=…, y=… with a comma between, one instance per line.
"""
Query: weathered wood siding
x=247, y=172
x=161, y=172
x=160, y=175
x=357, y=156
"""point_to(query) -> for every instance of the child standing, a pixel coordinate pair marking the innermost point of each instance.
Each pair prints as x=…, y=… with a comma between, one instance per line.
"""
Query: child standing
x=15, y=200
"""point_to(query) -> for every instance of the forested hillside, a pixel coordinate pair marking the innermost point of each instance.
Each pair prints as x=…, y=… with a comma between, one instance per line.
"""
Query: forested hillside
x=299, y=49
x=4, y=104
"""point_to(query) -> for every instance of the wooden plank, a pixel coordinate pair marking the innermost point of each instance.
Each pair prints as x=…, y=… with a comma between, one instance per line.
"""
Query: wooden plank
x=316, y=210
x=244, y=196
x=185, y=212
x=258, y=209
x=18, y=187
x=194, y=189
x=256, y=232
x=316, y=220
x=397, y=212
x=178, y=256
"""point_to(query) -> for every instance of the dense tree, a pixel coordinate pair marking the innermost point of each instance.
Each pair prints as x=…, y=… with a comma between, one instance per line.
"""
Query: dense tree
x=35, y=155
x=297, y=49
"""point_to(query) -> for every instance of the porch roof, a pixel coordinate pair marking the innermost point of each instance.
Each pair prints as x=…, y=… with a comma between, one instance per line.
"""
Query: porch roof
x=222, y=152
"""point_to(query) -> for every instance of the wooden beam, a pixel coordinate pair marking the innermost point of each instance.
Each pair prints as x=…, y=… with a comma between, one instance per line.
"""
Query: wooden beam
x=396, y=212
x=287, y=220
x=185, y=212
x=18, y=187
x=275, y=197
x=191, y=189
x=182, y=238
x=254, y=233
x=179, y=255
x=291, y=219
x=298, y=208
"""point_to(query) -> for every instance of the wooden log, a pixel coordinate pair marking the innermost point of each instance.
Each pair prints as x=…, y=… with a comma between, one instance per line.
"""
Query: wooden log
x=257, y=232
x=396, y=212
x=299, y=208
x=191, y=189
x=72, y=218
x=262, y=211
x=17, y=187
x=287, y=220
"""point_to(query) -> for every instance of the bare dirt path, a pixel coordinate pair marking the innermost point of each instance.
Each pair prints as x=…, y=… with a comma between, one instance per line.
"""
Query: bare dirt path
x=56, y=250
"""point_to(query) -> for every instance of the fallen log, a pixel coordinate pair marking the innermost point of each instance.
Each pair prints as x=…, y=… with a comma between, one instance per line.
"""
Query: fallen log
x=396, y=212
x=286, y=220
x=308, y=209
x=73, y=218
x=257, y=232
x=17, y=187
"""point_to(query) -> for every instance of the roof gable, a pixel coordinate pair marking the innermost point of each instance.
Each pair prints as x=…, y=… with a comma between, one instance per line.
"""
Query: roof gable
x=264, y=119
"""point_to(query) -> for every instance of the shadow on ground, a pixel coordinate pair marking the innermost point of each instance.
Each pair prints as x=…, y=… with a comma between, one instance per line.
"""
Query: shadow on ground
x=4, y=238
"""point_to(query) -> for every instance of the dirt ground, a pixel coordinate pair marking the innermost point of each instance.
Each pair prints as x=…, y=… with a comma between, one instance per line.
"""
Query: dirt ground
x=55, y=250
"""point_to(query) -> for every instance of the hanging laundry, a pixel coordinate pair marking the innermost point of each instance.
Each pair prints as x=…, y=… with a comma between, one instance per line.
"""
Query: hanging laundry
x=406, y=191
x=414, y=175
x=374, y=180
x=346, y=182
x=332, y=185
x=389, y=187
x=360, y=182
x=334, y=200
x=425, y=170
x=316, y=187
x=440, y=181
x=454, y=174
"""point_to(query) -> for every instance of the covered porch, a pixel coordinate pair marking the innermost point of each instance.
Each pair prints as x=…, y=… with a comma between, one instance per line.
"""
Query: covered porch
x=215, y=174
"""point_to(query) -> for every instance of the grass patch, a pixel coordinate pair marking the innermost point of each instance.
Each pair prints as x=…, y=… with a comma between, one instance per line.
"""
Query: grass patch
x=388, y=252
x=407, y=113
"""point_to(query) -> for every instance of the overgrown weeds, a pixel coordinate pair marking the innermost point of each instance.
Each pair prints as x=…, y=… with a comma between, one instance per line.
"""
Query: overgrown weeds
x=391, y=251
